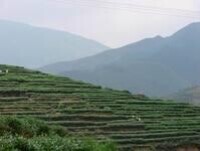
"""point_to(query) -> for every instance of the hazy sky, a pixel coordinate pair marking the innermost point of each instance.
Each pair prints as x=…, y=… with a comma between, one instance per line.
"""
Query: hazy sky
x=112, y=22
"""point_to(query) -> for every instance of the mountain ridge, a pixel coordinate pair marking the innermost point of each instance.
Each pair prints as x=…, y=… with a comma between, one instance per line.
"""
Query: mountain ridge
x=168, y=58
x=31, y=46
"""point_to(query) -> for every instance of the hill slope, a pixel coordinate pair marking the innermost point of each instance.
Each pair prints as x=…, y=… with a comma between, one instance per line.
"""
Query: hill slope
x=143, y=67
x=26, y=45
x=133, y=122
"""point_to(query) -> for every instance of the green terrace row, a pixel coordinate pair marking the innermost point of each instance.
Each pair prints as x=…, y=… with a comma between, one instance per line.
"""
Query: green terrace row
x=130, y=120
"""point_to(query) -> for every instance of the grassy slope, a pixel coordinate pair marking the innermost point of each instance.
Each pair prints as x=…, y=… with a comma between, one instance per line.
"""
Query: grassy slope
x=131, y=121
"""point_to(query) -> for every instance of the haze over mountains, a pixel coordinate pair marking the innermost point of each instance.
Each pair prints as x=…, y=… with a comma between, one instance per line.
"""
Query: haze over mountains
x=188, y=95
x=26, y=45
x=156, y=66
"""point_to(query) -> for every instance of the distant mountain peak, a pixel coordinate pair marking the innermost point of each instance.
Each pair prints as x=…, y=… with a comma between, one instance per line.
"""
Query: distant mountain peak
x=194, y=24
x=25, y=45
x=158, y=37
x=193, y=28
x=156, y=66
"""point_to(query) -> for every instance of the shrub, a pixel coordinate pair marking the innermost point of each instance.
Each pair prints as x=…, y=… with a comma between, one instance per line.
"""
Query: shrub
x=28, y=134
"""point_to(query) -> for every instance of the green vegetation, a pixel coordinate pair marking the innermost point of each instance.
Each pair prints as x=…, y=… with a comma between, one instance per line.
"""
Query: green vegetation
x=31, y=135
x=133, y=122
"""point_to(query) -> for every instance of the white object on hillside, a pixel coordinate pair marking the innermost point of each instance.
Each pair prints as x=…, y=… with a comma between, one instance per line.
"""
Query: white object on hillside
x=139, y=119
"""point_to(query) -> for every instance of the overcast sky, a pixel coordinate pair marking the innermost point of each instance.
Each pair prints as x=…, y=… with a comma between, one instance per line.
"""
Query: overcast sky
x=111, y=22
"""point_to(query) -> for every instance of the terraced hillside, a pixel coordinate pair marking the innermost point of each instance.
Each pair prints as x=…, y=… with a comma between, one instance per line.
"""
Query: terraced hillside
x=134, y=122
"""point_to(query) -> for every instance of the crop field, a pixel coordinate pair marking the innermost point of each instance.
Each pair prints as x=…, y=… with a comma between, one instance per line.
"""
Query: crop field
x=133, y=122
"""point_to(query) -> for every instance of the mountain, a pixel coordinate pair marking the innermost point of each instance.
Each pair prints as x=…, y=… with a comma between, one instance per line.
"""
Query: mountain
x=155, y=66
x=132, y=122
x=189, y=95
x=182, y=53
x=30, y=46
